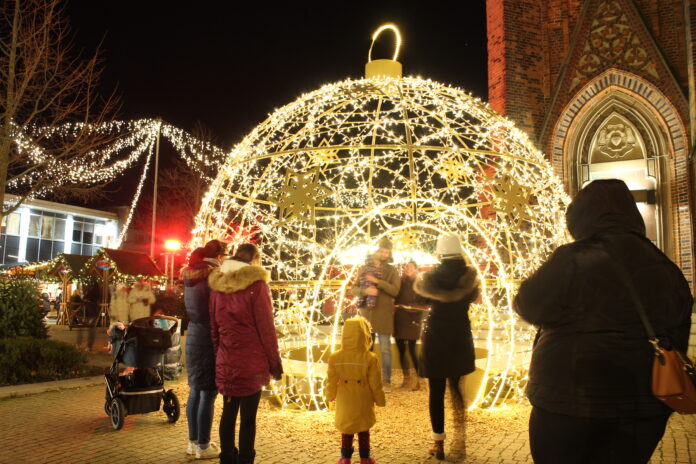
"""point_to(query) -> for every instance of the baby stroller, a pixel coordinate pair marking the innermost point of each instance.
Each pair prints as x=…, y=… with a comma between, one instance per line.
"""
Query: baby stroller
x=141, y=345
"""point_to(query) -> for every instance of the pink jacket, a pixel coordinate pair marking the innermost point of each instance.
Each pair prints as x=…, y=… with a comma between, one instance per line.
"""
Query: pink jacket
x=242, y=328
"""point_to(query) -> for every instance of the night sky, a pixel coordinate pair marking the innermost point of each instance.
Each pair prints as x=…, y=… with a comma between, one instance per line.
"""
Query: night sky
x=228, y=66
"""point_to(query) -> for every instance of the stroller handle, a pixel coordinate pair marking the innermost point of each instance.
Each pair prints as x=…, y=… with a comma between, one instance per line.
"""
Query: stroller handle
x=172, y=329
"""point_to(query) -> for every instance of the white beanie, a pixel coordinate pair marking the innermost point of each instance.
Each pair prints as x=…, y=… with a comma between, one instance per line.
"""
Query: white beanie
x=448, y=245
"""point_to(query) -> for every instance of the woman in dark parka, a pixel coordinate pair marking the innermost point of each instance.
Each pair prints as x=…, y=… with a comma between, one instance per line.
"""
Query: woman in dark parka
x=447, y=350
x=590, y=375
x=200, y=355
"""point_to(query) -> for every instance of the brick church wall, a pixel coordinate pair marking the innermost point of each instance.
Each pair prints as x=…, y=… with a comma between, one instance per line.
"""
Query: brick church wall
x=535, y=48
x=529, y=41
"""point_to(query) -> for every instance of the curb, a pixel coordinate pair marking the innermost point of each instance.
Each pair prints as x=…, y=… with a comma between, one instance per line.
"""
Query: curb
x=14, y=391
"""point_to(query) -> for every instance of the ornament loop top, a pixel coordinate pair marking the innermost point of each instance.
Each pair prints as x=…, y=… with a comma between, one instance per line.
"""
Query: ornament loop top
x=397, y=39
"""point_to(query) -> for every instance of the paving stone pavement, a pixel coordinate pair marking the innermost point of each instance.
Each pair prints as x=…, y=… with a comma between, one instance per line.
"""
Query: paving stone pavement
x=70, y=427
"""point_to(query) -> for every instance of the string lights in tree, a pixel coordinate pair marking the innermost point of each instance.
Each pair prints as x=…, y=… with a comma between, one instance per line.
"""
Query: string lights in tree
x=325, y=177
x=132, y=140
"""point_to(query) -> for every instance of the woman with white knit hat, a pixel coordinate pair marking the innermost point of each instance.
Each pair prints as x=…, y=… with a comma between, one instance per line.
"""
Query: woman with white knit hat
x=447, y=344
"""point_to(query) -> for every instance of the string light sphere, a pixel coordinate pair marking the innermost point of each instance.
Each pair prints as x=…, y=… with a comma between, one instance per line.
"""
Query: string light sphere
x=324, y=178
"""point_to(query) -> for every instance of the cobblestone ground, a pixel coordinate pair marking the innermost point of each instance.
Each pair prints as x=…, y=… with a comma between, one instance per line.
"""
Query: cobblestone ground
x=71, y=427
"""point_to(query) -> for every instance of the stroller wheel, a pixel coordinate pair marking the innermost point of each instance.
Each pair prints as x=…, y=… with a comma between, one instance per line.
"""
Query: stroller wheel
x=118, y=413
x=171, y=406
x=107, y=408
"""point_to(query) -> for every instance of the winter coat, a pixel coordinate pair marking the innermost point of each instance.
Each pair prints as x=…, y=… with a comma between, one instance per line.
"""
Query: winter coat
x=242, y=328
x=200, y=355
x=355, y=379
x=120, y=308
x=140, y=299
x=381, y=315
x=592, y=357
x=447, y=344
x=408, y=322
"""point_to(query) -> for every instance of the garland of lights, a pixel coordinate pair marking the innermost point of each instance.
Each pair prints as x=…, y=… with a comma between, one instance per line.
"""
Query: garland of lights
x=136, y=197
x=132, y=138
x=102, y=258
x=100, y=165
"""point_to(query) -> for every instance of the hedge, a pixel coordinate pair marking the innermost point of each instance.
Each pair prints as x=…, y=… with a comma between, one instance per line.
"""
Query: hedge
x=28, y=360
x=20, y=313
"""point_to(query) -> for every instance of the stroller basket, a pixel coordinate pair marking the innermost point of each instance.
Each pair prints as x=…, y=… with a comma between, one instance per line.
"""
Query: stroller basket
x=145, y=341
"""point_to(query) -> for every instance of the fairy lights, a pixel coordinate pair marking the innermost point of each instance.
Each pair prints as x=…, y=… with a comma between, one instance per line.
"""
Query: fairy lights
x=132, y=141
x=328, y=175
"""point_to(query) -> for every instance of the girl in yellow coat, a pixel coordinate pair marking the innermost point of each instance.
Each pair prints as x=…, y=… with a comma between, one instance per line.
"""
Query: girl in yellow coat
x=355, y=382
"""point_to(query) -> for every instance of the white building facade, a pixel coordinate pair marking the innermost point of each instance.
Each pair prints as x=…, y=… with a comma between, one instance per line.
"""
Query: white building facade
x=40, y=230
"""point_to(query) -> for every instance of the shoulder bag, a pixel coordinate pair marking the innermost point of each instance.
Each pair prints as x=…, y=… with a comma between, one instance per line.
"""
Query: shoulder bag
x=673, y=373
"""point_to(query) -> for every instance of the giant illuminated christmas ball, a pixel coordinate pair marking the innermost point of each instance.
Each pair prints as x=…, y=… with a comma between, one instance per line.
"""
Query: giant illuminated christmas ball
x=325, y=177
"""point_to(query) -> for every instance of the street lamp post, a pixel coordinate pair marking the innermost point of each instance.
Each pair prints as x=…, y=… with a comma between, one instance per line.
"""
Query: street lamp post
x=172, y=246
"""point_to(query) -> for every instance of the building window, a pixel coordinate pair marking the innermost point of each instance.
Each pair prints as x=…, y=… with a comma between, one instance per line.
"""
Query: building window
x=46, y=237
x=9, y=239
x=88, y=235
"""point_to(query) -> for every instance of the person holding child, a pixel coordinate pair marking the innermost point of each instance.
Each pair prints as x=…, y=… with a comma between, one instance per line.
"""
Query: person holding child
x=380, y=314
x=354, y=383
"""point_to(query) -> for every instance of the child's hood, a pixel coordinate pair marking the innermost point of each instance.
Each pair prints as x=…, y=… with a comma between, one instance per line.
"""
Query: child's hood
x=356, y=334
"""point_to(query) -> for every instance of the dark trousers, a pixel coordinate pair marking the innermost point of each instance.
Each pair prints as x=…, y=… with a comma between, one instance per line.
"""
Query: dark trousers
x=555, y=438
x=401, y=345
x=436, y=401
x=91, y=332
x=246, y=406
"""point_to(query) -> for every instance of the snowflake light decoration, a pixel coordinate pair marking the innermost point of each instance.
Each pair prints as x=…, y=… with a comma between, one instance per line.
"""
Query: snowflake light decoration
x=388, y=156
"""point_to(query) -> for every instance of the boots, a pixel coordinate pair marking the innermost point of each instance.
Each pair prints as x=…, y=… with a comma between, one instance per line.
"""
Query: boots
x=346, y=452
x=230, y=457
x=457, y=451
x=407, y=379
x=367, y=461
x=438, y=447
x=416, y=385
x=247, y=458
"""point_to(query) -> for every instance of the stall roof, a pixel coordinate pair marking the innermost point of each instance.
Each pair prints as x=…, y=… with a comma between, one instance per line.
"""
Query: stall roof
x=132, y=262
x=76, y=262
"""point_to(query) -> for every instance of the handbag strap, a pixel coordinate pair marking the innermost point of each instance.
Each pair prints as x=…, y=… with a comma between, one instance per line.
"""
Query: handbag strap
x=623, y=274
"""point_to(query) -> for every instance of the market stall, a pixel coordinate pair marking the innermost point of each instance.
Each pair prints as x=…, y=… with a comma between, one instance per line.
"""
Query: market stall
x=66, y=268
x=112, y=266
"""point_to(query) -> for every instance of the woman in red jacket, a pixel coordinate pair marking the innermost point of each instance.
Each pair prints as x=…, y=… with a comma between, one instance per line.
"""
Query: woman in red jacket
x=246, y=347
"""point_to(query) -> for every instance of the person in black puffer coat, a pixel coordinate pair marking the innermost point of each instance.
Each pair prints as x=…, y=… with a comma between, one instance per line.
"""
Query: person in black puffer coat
x=447, y=350
x=591, y=369
x=200, y=355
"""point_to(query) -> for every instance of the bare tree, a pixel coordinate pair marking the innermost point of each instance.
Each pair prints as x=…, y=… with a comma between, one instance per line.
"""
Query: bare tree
x=48, y=108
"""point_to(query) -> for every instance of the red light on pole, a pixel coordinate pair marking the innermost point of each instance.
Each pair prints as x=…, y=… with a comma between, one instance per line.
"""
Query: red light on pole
x=172, y=245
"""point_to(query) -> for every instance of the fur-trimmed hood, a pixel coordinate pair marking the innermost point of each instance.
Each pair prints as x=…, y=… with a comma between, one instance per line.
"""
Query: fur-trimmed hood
x=234, y=276
x=448, y=282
